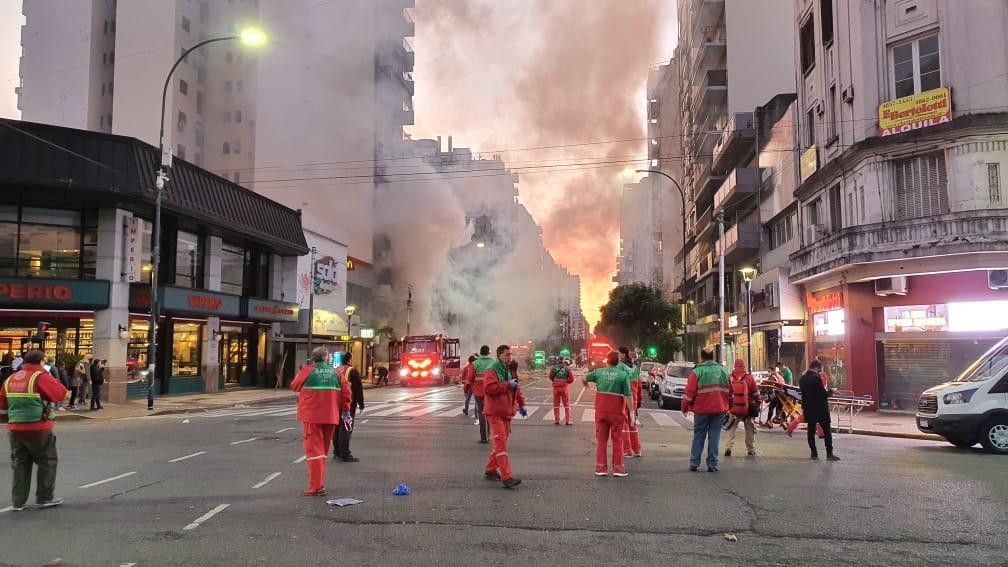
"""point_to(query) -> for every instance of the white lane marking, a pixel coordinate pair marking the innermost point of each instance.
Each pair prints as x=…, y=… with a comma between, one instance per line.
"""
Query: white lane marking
x=452, y=412
x=362, y=422
x=7, y=509
x=196, y=523
x=549, y=414
x=389, y=410
x=263, y=482
x=301, y=459
x=589, y=415
x=243, y=441
x=117, y=477
x=187, y=457
x=584, y=387
x=127, y=565
x=663, y=418
x=532, y=409
x=284, y=429
x=423, y=411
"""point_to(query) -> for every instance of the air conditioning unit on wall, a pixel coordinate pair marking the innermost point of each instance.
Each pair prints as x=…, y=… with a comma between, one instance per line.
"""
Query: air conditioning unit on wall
x=847, y=95
x=997, y=279
x=891, y=286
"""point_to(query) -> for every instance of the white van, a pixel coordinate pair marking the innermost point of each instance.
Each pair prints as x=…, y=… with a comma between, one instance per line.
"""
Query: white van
x=974, y=407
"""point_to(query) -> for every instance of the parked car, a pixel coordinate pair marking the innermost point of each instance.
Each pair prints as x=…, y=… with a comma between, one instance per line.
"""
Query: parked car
x=650, y=373
x=972, y=408
x=674, y=385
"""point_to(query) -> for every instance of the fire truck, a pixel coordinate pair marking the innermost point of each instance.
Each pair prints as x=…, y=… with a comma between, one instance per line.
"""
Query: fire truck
x=598, y=348
x=425, y=359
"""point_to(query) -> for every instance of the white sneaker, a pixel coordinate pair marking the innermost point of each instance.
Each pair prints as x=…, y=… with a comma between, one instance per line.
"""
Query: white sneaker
x=51, y=503
x=601, y=473
x=19, y=508
x=476, y=422
x=621, y=474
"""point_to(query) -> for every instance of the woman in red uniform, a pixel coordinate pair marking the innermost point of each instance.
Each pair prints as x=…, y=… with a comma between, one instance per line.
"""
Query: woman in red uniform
x=323, y=401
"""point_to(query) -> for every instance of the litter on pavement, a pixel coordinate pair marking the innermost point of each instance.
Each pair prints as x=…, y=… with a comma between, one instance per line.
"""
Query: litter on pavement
x=343, y=502
x=402, y=490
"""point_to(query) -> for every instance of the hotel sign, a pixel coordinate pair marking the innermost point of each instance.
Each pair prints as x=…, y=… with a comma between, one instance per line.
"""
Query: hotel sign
x=914, y=112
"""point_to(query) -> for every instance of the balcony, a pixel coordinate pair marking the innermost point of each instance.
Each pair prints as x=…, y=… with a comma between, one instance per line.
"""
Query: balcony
x=709, y=50
x=741, y=242
x=707, y=12
x=707, y=182
x=968, y=232
x=735, y=139
x=737, y=187
x=713, y=89
x=705, y=226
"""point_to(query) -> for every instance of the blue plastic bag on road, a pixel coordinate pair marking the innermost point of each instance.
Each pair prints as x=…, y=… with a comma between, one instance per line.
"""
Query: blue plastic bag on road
x=402, y=490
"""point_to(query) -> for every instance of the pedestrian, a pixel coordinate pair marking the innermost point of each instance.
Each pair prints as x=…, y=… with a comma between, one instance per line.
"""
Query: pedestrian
x=25, y=404
x=382, y=373
x=815, y=408
x=341, y=440
x=86, y=383
x=561, y=376
x=502, y=399
x=745, y=402
x=631, y=437
x=775, y=410
x=97, y=380
x=324, y=400
x=17, y=362
x=613, y=402
x=64, y=379
x=80, y=373
x=707, y=397
x=481, y=365
x=468, y=377
x=785, y=372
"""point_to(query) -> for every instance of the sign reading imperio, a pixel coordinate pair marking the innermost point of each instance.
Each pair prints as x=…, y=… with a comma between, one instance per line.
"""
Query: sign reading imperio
x=39, y=293
x=915, y=112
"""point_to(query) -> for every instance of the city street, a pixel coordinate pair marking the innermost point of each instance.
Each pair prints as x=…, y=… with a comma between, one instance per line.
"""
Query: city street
x=225, y=487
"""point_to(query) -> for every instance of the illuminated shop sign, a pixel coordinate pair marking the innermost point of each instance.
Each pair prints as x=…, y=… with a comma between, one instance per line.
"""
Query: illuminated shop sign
x=916, y=318
x=978, y=316
x=955, y=317
x=824, y=301
x=829, y=323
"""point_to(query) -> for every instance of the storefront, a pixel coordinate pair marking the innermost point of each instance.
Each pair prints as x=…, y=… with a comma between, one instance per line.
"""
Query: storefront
x=894, y=346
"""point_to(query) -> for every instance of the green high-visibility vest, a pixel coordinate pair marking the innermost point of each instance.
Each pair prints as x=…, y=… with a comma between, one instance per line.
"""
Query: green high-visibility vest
x=25, y=407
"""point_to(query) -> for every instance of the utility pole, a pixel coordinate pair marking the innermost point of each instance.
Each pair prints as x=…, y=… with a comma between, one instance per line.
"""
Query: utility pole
x=311, y=302
x=719, y=217
x=409, y=307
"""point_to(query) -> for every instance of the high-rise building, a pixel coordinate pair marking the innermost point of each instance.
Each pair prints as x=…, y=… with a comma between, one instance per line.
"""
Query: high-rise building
x=639, y=259
x=903, y=211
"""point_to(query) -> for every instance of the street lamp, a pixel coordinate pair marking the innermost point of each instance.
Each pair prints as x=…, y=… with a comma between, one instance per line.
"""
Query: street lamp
x=350, y=310
x=250, y=37
x=748, y=274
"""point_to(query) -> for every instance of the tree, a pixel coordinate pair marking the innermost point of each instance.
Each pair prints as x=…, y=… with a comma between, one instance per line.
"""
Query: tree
x=637, y=315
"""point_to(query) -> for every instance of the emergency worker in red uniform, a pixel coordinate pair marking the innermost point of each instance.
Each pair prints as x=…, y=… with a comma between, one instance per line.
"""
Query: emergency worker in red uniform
x=27, y=405
x=613, y=401
x=468, y=376
x=501, y=399
x=480, y=365
x=561, y=376
x=323, y=402
x=631, y=437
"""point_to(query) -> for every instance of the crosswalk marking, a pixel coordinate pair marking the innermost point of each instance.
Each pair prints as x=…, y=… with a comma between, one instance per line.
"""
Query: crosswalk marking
x=395, y=408
x=663, y=418
x=423, y=411
x=531, y=409
x=589, y=415
x=452, y=412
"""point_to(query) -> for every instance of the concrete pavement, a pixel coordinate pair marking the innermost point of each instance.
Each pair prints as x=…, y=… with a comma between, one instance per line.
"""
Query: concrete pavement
x=133, y=487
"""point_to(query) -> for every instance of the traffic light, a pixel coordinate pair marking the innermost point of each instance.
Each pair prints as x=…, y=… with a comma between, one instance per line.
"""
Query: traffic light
x=652, y=351
x=565, y=352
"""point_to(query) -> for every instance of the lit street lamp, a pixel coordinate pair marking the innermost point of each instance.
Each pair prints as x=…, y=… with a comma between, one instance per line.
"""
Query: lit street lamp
x=251, y=37
x=748, y=274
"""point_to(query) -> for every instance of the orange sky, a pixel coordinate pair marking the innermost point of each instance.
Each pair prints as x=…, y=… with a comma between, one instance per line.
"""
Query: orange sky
x=504, y=75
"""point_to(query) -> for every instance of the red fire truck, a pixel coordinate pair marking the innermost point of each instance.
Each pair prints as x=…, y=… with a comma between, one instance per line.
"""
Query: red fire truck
x=425, y=359
x=598, y=348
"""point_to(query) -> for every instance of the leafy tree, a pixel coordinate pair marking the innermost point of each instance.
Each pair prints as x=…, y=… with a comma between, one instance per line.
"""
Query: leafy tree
x=637, y=315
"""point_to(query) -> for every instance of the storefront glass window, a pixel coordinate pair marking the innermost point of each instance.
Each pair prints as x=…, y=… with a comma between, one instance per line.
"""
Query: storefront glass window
x=136, y=348
x=188, y=260
x=186, y=349
x=232, y=268
x=8, y=246
x=47, y=243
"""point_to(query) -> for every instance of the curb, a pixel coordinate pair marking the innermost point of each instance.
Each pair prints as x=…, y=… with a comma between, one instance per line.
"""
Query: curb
x=255, y=402
x=918, y=436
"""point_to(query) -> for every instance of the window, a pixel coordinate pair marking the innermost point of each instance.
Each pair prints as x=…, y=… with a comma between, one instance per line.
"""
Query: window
x=188, y=260
x=199, y=134
x=182, y=51
x=226, y=149
x=106, y=26
x=239, y=85
x=227, y=116
x=807, y=39
x=826, y=16
x=782, y=230
x=185, y=24
x=831, y=118
x=810, y=128
x=232, y=268
x=109, y=120
x=110, y=87
x=104, y=58
x=112, y=26
x=201, y=75
x=994, y=182
x=228, y=57
x=814, y=211
x=181, y=121
x=921, y=186
x=237, y=177
x=183, y=87
x=227, y=87
x=835, y=209
x=102, y=120
x=238, y=116
x=199, y=103
x=46, y=243
x=103, y=94
x=180, y=151
x=199, y=158
x=916, y=66
x=187, y=341
x=204, y=11
x=236, y=147
x=111, y=57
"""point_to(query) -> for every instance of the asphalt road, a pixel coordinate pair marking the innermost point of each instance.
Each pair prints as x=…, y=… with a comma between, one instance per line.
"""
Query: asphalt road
x=232, y=496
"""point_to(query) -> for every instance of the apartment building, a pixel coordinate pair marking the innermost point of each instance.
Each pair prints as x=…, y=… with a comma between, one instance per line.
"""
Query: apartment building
x=640, y=257
x=903, y=214
x=732, y=57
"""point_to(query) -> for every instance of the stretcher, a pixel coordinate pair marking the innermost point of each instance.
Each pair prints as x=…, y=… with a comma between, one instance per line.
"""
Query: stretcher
x=846, y=406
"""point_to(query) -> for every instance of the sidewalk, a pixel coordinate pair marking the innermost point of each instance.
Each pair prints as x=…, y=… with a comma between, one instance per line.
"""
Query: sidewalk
x=164, y=405
x=880, y=424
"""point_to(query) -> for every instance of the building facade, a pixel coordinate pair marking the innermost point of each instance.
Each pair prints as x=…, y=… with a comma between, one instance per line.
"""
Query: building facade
x=75, y=255
x=640, y=257
x=903, y=134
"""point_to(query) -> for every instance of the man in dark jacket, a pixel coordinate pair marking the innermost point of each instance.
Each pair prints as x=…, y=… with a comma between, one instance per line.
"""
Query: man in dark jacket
x=815, y=407
x=341, y=441
x=97, y=380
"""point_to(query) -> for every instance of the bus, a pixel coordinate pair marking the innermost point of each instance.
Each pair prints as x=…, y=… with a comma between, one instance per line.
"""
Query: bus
x=423, y=359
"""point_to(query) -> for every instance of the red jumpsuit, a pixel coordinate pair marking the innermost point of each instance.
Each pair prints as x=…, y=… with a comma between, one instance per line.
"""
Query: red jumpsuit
x=500, y=404
x=631, y=437
x=323, y=394
x=561, y=393
x=468, y=376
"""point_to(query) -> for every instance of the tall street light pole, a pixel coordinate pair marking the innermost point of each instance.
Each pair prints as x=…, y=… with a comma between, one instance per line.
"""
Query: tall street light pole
x=748, y=274
x=248, y=37
x=719, y=218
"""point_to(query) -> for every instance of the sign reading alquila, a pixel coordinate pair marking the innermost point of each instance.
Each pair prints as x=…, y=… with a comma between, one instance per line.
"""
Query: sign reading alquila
x=914, y=112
